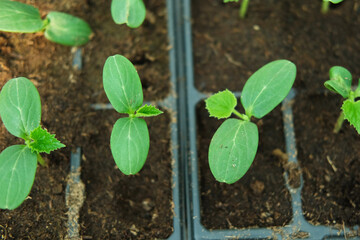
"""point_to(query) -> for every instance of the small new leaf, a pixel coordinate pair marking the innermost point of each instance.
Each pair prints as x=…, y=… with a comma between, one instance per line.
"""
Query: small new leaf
x=340, y=81
x=147, y=111
x=221, y=104
x=351, y=111
x=43, y=141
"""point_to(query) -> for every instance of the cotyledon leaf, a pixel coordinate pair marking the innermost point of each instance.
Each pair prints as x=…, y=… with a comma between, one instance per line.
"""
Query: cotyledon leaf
x=19, y=17
x=17, y=173
x=340, y=81
x=129, y=144
x=267, y=87
x=20, y=107
x=131, y=12
x=122, y=84
x=232, y=150
x=66, y=29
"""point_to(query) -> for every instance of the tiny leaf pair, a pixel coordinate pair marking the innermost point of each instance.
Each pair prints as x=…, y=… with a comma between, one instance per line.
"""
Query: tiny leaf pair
x=58, y=27
x=20, y=111
x=234, y=145
x=131, y=12
x=129, y=139
x=340, y=82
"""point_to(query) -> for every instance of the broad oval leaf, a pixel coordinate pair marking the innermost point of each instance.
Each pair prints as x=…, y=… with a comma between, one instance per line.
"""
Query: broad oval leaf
x=221, y=104
x=122, y=84
x=232, y=150
x=17, y=173
x=20, y=107
x=267, y=87
x=340, y=81
x=130, y=144
x=19, y=17
x=351, y=111
x=131, y=12
x=66, y=29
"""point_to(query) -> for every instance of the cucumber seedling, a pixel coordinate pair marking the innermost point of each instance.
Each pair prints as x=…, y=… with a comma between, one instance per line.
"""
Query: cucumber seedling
x=234, y=144
x=131, y=12
x=243, y=7
x=129, y=141
x=326, y=3
x=58, y=27
x=20, y=111
x=340, y=82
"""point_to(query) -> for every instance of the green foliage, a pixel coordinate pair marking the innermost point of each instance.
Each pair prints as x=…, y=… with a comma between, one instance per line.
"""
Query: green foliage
x=325, y=5
x=66, y=29
x=340, y=82
x=42, y=141
x=20, y=111
x=221, y=104
x=131, y=12
x=58, y=27
x=233, y=146
x=129, y=140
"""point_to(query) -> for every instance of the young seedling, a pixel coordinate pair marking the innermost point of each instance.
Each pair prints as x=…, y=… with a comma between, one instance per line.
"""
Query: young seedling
x=234, y=145
x=243, y=7
x=340, y=82
x=20, y=111
x=129, y=141
x=326, y=3
x=131, y=12
x=58, y=27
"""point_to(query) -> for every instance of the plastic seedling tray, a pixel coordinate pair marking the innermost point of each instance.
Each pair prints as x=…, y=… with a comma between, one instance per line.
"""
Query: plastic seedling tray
x=170, y=103
x=298, y=227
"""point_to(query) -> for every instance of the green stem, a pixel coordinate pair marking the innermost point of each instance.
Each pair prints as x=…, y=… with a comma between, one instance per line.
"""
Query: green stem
x=243, y=8
x=242, y=116
x=339, y=123
x=41, y=160
x=325, y=6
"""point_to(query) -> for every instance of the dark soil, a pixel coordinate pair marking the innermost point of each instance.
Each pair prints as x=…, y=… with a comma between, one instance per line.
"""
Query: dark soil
x=127, y=207
x=146, y=47
x=227, y=49
x=48, y=66
x=329, y=161
x=260, y=198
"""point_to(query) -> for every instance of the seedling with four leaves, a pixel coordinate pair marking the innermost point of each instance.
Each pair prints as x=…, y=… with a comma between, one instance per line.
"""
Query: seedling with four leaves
x=340, y=82
x=326, y=3
x=20, y=111
x=131, y=12
x=234, y=145
x=243, y=7
x=58, y=27
x=129, y=141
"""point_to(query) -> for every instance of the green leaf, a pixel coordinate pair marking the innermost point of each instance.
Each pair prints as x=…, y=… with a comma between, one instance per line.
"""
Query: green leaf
x=336, y=1
x=19, y=17
x=232, y=150
x=131, y=12
x=20, y=107
x=66, y=29
x=221, y=104
x=352, y=113
x=122, y=84
x=17, y=173
x=130, y=144
x=340, y=81
x=148, y=111
x=226, y=1
x=267, y=87
x=43, y=141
